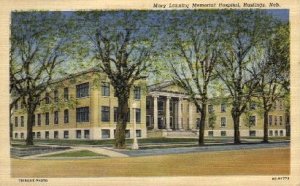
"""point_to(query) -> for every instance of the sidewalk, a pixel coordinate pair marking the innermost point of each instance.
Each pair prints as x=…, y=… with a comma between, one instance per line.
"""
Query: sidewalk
x=102, y=151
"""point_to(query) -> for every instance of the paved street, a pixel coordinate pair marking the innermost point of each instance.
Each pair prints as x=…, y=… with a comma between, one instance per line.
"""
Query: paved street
x=181, y=150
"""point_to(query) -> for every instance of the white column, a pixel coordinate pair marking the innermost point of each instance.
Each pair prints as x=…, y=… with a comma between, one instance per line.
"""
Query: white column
x=190, y=115
x=168, y=113
x=134, y=144
x=155, y=112
x=179, y=114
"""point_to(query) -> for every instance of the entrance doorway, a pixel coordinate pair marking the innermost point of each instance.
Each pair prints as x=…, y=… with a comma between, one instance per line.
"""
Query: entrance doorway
x=161, y=122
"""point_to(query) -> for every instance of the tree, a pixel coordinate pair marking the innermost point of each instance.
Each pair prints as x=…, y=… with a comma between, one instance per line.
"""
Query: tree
x=38, y=46
x=196, y=50
x=249, y=119
x=212, y=120
x=274, y=79
x=118, y=44
x=243, y=31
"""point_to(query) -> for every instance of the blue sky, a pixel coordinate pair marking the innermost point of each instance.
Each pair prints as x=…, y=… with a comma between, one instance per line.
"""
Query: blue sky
x=282, y=14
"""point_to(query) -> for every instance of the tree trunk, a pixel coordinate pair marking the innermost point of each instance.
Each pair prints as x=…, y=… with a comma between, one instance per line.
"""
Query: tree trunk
x=122, y=122
x=266, y=127
x=30, y=114
x=236, y=125
x=202, y=125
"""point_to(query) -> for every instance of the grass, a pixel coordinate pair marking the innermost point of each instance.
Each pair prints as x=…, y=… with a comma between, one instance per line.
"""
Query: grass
x=141, y=141
x=80, y=153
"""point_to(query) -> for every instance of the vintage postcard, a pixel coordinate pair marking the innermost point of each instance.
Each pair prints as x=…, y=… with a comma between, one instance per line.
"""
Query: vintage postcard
x=150, y=92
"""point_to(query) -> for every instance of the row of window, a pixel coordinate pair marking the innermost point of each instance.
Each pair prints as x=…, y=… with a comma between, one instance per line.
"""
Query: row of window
x=211, y=133
x=275, y=133
x=223, y=133
x=277, y=120
x=17, y=121
x=251, y=133
x=105, y=134
x=160, y=106
x=82, y=115
x=252, y=120
x=82, y=90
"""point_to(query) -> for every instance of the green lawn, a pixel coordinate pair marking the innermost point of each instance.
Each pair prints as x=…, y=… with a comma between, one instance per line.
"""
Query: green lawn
x=142, y=141
x=80, y=153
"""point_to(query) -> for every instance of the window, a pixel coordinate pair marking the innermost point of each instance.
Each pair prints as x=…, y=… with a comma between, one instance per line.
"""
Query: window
x=33, y=120
x=137, y=92
x=160, y=105
x=16, y=135
x=280, y=105
x=22, y=105
x=55, y=117
x=47, y=98
x=223, y=133
x=198, y=122
x=276, y=132
x=22, y=135
x=274, y=105
x=275, y=120
x=252, y=133
x=252, y=120
x=16, y=122
x=280, y=120
x=55, y=134
x=138, y=115
x=66, y=116
x=38, y=135
x=211, y=133
x=148, y=120
x=270, y=119
x=281, y=132
x=105, y=133
x=78, y=134
x=210, y=108
x=252, y=106
x=39, y=120
x=270, y=133
x=105, y=89
x=66, y=94
x=82, y=114
x=148, y=104
x=128, y=115
x=223, y=121
x=138, y=133
x=223, y=107
x=105, y=113
x=56, y=96
x=127, y=133
x=22, y=121
x=115, y=114
x=82, y=90
x=33, y=135
x=47, y=134
x=86, y=134
x=66, y=134
x=47, y=118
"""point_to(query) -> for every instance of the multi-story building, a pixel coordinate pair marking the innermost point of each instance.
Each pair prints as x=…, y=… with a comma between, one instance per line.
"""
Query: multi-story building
x=84, y=107
x=169, y=110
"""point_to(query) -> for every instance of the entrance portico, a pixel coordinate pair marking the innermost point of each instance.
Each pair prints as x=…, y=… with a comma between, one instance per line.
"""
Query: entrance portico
x=166, y=111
